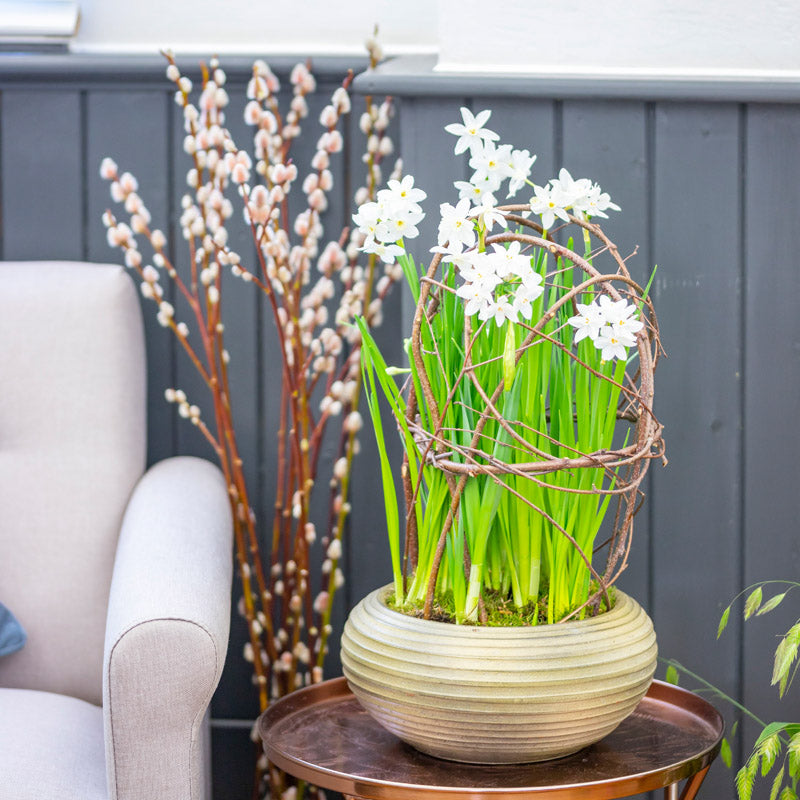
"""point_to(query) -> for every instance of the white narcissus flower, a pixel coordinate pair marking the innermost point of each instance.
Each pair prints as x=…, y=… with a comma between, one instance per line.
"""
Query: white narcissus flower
x=501, y=309
x=597, y=202
x=478, y=192
x=481, y=269
x=571, y=191
x=529, y=290
x=587, y=322
x=519, y=170
x=549, y=204
x=478, y=296
x=454, y=255
x=402, y=226
x=487, y=215
x=491, y=163
x=522, y=304
x=367, y=218
x=619, y=313
x=472, y=133
x=406, y=191
x=509, y=261
x=454, y=225
x=609, y=323
x=610, y=345
x=532, y=284
x=386, y=252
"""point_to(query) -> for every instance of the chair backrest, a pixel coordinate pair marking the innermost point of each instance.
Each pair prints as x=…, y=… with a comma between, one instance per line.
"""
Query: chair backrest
x=72, y=446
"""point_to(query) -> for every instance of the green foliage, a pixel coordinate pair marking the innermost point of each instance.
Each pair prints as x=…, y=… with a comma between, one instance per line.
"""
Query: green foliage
x=725, y=753
x=785, y=656
x=745, y=778
x=773, y=602
x=672, y=675
x=753, y=602
x=512, y=525
x=777, y=746
x=723, y=622
x=785, y=662
x=768, y=750
x=776, y=784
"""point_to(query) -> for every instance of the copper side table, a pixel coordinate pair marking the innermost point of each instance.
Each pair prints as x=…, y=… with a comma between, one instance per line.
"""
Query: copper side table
x=322, y=735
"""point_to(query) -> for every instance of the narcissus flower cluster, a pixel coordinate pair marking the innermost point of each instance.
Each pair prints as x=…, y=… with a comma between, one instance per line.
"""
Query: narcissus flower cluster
x=499, y=282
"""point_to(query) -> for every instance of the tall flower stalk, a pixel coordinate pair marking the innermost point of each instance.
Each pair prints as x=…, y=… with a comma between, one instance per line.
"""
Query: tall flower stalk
x=524, y=357
x=314, y=289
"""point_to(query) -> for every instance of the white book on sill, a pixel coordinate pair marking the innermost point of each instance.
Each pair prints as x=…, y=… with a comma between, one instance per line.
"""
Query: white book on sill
x=38, y=22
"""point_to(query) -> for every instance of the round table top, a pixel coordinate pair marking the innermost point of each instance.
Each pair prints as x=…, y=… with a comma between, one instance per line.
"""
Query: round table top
x=322, y=735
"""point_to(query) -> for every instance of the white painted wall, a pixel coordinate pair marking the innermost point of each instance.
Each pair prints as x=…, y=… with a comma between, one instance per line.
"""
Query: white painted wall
x=304, y=27
x=680, y=38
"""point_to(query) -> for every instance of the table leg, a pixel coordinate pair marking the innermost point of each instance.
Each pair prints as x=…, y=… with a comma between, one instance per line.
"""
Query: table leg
x=693, y=784
x=689, y=791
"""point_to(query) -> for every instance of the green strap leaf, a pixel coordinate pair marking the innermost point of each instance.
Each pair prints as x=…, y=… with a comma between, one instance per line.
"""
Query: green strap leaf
x=509, y=353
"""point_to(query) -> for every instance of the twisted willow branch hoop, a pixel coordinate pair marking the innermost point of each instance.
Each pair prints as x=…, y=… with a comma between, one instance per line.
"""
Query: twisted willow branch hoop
x=625, y=466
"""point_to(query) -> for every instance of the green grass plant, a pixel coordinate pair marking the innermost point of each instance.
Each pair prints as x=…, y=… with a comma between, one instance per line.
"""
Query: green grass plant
x=509, y=531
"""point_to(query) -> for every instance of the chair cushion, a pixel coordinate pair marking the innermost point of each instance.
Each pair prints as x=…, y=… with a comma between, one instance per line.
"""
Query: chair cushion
x=72, y=446
x=12, y=637
x=51, y=747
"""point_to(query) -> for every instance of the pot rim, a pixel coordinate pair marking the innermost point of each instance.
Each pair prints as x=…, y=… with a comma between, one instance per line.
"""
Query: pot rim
x=624, y=604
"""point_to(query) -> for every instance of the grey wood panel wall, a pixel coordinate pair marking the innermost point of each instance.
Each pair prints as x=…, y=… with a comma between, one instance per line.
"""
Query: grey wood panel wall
x=709, y=192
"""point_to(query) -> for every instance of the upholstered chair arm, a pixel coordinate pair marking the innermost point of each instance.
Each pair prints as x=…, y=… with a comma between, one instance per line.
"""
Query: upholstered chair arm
x=167, y=630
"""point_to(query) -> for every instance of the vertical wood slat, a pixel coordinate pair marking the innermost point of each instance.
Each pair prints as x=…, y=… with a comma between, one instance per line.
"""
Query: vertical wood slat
x=130, y=127
x=606, y=142
x=696, y=529
x=771, y=396
x=42, y=176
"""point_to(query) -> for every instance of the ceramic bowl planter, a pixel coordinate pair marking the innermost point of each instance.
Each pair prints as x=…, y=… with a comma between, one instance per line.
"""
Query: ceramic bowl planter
x=492, y=695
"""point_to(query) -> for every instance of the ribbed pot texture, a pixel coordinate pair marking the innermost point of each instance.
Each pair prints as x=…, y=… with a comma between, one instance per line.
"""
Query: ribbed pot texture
x=498, y=695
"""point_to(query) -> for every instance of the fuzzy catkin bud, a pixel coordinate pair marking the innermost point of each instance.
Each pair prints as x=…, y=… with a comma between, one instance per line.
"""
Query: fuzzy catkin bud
x=353, y=422
x=335, y=550
x=385, y=148
x=340, y=468
x=321, y=603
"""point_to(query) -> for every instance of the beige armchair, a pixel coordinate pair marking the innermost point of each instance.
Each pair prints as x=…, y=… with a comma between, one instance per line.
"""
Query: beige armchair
x=122, y=581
